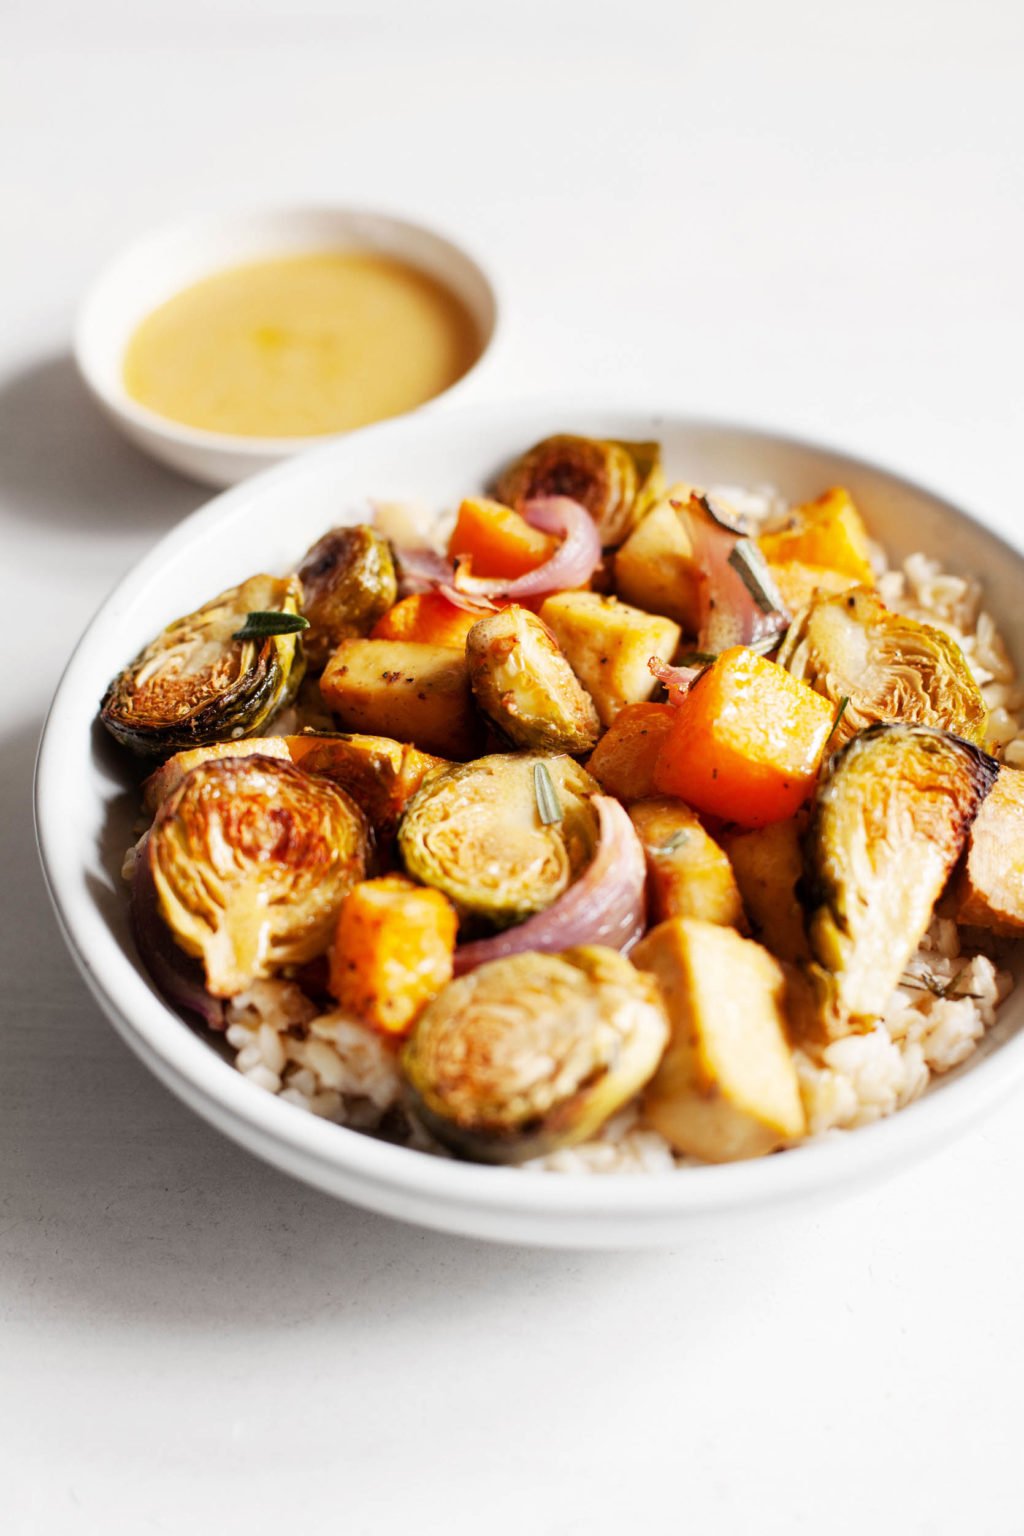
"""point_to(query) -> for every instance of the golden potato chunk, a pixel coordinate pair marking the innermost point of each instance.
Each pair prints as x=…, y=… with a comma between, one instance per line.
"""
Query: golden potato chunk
x=688, y=874
x=404, y=689
x=767, y=863
x=655, y=568
x=608, y=645
x=989, y=890
x=727, y=1087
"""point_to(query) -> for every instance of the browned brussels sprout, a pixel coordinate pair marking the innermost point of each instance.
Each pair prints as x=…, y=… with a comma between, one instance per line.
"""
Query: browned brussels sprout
x=503, y=836
x=348, y=583
x=848, y=645
x=251, y=859
x=534, y=1052
x=524, y=684
x=615, y=481
x=197, y=683
x=887, y=826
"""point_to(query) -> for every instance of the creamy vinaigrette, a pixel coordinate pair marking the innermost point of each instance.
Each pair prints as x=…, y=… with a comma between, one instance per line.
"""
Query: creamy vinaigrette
x=301, y=345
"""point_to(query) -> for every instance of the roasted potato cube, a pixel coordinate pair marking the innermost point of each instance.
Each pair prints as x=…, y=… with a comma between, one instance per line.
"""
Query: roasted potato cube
x=727, y=1087
x=688, y=874
x=655, y=568
x=767, y=863
x=608, y=645
x=405, y=689
x=989, y=889
x=623, y=760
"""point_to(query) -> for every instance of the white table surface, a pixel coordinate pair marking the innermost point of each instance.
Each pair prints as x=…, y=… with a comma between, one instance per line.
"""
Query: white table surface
x=800, y=214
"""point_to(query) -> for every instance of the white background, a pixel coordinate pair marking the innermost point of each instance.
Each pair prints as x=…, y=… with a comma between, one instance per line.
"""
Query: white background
x=804, y=214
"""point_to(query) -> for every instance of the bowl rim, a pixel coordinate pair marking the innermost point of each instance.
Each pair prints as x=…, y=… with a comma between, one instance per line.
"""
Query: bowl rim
x=122, y=406
x=184, y=1061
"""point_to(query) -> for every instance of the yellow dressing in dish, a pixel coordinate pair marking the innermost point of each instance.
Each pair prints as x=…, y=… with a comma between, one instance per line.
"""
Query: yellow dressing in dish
x=300, y=345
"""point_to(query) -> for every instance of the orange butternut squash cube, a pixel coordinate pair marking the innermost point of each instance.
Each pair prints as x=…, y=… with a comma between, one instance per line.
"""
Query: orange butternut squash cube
x=827, y=532
x=498, y=540
x=623, y=760
x=392, y=951
x=747, y=741
x=426, y=617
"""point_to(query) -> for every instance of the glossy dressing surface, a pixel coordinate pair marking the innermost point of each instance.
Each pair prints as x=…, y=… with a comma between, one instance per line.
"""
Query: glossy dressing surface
x=301, y=345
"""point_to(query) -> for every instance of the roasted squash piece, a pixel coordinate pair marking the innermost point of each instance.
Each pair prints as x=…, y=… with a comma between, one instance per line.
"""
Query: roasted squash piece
x=988, y=891
x=392, y=951
x=688, y=874
x=747, y=741
x=428, y=618
x=655, y=569
x=498, y=540
x=829, y=532
x=406, y=690
x=887, y=826
x=623, y=760
x=727, y=1087
x=608, y=645
x=768, y=864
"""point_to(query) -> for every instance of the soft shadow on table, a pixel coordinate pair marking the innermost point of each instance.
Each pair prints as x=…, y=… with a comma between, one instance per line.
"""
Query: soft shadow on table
x=63, y=464
x=118, y=1205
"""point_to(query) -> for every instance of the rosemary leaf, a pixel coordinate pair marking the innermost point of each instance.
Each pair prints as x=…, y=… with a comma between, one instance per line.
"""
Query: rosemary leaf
x=260, y=626
x=549, y=807
x=840, y=712
x=752, y=569
x=675, y=841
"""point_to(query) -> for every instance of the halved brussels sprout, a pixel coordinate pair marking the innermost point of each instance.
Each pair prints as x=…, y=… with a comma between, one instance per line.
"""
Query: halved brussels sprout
x=888, y=824
x=348, y=583
x=251, y=860
x=848, y=645
x=196, y=684
x=534, y=1052
x=615, y=481
x=523, y=682
x=484, y=834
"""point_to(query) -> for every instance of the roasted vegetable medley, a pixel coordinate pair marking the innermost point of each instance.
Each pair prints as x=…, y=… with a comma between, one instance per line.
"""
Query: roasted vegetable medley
x=624, y=812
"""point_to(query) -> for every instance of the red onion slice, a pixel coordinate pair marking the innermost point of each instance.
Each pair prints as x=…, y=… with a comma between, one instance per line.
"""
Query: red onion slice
x=739, y=601
x=422, y=569
x=677, y=680
x=572, y=564
x=177, y=976
x=606, y=905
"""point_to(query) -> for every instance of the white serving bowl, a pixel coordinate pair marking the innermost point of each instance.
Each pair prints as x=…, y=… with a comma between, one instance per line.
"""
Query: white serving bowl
x=163, y=263
x=84, y=822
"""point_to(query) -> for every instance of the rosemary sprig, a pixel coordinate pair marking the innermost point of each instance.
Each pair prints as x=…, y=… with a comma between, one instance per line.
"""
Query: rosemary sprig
x=752, y=569
x=947, y=991
x=840, y=712
x=261, y=625
x=549, y=807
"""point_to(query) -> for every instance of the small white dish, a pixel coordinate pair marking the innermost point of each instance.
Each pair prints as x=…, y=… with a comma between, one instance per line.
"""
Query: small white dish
x=84, y=820
x=163, y=263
